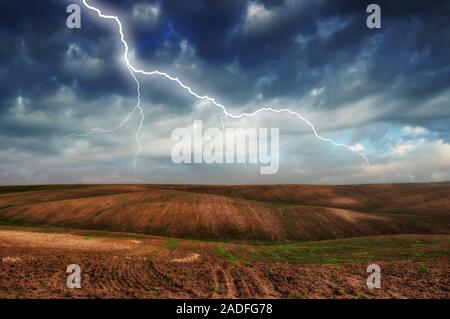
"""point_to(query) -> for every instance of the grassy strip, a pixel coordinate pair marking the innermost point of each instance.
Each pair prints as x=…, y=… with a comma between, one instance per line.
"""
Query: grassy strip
x=172, y=243
x=356, y=250
x=226, y=254
x=394, y=248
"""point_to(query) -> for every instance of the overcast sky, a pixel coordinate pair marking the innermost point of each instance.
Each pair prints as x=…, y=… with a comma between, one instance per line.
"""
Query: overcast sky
x=384, y=91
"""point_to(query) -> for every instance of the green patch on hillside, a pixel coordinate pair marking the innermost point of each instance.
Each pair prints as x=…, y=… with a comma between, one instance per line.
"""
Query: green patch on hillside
x=226, y=254
x=172, y=243
x=17, y=223
x=357, y=250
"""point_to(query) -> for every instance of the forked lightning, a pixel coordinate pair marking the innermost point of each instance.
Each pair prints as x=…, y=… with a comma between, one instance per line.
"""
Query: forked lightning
x=133, y=71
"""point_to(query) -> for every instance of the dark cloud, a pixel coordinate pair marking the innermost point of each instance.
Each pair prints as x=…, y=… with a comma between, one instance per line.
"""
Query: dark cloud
x=314, y=56
x=35, y=60
x=208, y=25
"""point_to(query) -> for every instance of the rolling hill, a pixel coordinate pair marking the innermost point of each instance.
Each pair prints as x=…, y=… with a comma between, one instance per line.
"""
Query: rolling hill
x=275, y=212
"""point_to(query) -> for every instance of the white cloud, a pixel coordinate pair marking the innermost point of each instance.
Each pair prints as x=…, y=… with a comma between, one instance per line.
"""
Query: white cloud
x=257, y=12
x=257, y=16
x=79, y=62
x=358, y=147
x=146, y=14
x=440, y=176
x=402, y=149
x=408, y=130
x=326, y=29
x=317, y=91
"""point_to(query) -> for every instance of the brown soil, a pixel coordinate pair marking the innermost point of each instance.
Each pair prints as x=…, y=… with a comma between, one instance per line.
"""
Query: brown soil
x=277, y=212
x=33, y=265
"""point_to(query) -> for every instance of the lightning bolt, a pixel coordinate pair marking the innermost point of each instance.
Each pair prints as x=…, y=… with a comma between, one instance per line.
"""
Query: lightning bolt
x=133, y=71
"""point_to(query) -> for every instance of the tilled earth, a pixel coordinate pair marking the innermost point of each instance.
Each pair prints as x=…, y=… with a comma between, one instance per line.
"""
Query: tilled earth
x=33, y=265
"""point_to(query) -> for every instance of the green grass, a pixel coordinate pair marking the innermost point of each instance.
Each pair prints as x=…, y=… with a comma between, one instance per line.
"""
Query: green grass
x=19, y=223
x=94, y=234
x=154, y=290
x=361, y=250
x=226, y=254
x=356, y=250
x=423, y=270
x=172, y=243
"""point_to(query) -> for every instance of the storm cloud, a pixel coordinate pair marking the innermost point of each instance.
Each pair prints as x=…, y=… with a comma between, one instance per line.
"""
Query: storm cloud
x=385, y=91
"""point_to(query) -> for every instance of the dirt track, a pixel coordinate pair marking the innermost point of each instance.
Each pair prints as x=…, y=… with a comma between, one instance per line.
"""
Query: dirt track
x=33, y=265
